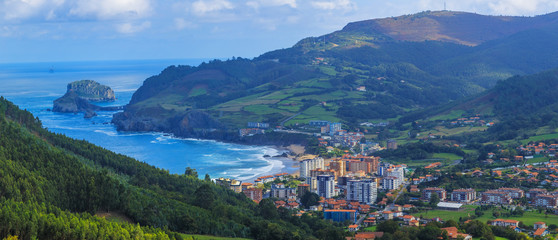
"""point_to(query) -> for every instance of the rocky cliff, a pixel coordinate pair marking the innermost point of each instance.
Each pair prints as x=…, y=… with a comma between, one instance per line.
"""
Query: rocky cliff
x=91, y=90
x=79, y=94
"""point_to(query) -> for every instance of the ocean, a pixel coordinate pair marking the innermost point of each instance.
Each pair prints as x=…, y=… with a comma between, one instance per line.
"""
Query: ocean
x=33, y=86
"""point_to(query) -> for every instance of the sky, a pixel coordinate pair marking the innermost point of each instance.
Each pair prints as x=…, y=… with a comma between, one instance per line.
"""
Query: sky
x=81, y=30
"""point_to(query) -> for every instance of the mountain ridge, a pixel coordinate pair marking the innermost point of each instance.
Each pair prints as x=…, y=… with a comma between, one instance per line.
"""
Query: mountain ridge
x=318, y=78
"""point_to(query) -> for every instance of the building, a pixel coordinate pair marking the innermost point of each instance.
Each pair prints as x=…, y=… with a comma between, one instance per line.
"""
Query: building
x=363, y=191
x=453, y=234
x=514, y=193
x=302, y=189
x=339, y=167
x=534, y=192
x=250, y=131
x=258, y=125
x=391, y=144
x=427, y=193
x=390, y=183
x=496, y=197
x=333, y=128
x=464, y=195
x=338, y=215
x=449, y=206
x=538, y=225
x=505, y=223
x=232, y=184
x=549, y=201
x=254, y=193
x=310, y=164
x=326, y=186
x=281, y=192
x=541, y=232
x=318, y=123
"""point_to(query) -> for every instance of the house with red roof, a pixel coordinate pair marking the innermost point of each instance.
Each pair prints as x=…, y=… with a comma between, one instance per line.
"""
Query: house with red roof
x=454, y=234
x=541, y=232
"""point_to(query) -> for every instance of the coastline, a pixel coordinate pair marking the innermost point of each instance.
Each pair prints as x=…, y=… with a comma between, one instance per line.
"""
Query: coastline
x=276, y=163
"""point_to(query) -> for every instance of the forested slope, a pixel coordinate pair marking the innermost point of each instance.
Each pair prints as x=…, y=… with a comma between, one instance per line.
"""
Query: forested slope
x=50, y=184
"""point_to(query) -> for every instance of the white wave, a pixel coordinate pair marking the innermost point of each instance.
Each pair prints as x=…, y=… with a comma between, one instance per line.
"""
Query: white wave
x=108, y=133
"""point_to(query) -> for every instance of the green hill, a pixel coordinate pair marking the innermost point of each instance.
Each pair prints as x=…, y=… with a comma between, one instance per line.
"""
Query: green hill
x=51, y=185
x=522, y=106
x=369, y=70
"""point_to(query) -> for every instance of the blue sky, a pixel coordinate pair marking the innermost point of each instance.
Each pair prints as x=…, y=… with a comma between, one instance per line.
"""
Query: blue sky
x=72, y=30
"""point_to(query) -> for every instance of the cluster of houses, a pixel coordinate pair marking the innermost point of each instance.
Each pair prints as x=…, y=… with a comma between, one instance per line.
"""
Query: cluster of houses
x=543, y=174
x=539, y=197
x=471, y=121
x=253, y=129
x=537, y=149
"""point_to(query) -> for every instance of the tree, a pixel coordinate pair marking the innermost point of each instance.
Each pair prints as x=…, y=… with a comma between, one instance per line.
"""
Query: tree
x=434, y=199
x=267, y=209
x=477, y=228
x=207, y=177
x=451, y=223
x=429, y=233
x=388, y=226
x=496, y=214
x=309, y=199
x=204, y=196
x=191, y=172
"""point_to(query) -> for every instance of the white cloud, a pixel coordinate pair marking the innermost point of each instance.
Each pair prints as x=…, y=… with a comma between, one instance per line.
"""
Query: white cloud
x=334, y=5
x=513, y=7
x=271, y=3
x=24, y=9
x=129, y=28
x=202, y=7
x=111, y=9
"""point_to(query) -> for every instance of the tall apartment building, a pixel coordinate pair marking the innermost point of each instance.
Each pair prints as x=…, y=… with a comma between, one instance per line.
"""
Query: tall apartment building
x=310, y=164
x=326, y=186
x=363, y=191
x=496, y=197
x=339, y=167
x=464, y=195
x=390, y=183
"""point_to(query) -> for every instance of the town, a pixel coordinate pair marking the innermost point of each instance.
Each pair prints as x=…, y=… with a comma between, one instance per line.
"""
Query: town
x=361, y=191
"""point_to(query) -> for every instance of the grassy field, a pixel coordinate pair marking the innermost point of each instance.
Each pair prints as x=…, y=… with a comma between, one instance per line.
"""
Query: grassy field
x=444, y=158
x=540, y=138
x=447, y=215
x=450, y=116
x=449, y=156
x=529, y=218
x=370, y=229
x=537, y=160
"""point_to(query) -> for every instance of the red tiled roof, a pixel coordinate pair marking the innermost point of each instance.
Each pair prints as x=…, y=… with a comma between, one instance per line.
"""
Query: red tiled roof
x=539, y=232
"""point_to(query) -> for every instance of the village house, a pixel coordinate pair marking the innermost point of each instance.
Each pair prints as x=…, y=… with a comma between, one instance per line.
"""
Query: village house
x=505, y=223
x=454, y=234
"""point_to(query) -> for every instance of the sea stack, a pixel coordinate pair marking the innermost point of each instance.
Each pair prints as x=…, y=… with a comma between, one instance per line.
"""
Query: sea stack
x=78, y=96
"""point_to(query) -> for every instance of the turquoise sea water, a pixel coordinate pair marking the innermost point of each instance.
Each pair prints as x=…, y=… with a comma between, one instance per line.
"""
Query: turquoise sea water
x=33, y=86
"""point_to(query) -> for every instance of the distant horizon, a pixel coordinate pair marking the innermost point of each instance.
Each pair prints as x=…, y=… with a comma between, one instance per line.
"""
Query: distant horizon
x=105, y=30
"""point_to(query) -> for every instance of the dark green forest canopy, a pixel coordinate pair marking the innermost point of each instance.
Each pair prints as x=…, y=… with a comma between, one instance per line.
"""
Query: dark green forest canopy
x=48, y=180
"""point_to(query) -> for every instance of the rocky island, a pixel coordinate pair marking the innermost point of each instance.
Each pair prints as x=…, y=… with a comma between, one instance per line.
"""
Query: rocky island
x=78, y=95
